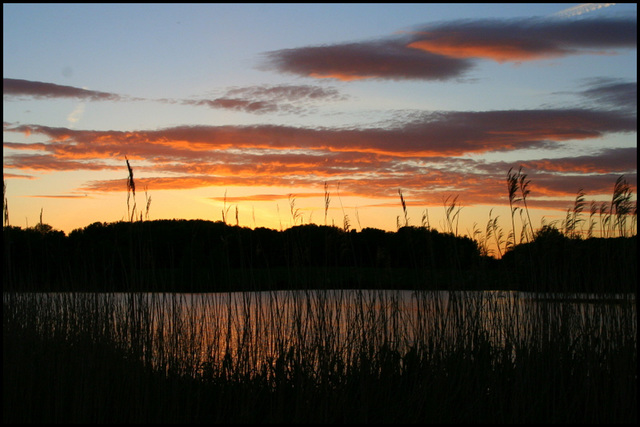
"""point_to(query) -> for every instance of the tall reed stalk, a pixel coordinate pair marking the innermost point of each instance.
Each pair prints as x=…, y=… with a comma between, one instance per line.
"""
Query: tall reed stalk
x=621, y=205
x=131, y=192
x=5, y=204
x=523, y=184
x=326, y=356
x=320, y=356
x=327, y=201
x=404, y=209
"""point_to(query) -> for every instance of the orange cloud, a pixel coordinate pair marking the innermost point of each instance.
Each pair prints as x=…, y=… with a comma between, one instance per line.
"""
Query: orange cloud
x=525, y=39
x=448, y=50
x=618, y=160
x=498, y=52
x=441, y=134
x=339, y=76
x=422, y=156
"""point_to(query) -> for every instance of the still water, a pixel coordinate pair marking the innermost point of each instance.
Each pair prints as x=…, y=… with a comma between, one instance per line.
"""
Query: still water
x=194, y=331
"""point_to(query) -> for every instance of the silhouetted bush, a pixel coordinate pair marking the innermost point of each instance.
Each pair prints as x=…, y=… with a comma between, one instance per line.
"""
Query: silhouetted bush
x=555, y=262
x=198, y=255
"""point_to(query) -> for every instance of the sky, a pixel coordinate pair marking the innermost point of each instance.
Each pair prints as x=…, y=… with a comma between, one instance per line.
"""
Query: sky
x=254, y=112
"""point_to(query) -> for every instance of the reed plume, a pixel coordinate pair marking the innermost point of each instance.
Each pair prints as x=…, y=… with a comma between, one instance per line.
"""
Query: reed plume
x=523, y=184
x=512, y=187
x=573, y=219
x=621, y=205
x=131, y=192
x=295, y=212
x=404, y=208
x=494, y=230
x=5, y=204
x=327, y=200
x=225, y=209
x=452, y=214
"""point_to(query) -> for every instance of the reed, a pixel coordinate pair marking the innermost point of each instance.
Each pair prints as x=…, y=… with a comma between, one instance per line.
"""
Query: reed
x=573, y=217
x=512, y=187
x=331, y=355
x=622, y=205
x=452, y=214
x=404, y=210
x=318, y=356
x=327, y=201
x=5, y=205
x=523, y=184
x=131, y=192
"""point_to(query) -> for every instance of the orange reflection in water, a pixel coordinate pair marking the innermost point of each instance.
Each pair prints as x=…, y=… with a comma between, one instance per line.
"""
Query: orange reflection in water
x=249, y=333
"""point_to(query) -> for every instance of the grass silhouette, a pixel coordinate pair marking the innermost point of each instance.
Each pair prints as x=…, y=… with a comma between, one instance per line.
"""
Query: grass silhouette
x=317, y=356
x=332, y=325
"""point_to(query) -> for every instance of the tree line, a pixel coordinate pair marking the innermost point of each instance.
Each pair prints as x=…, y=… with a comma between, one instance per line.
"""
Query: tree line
x=207, y=256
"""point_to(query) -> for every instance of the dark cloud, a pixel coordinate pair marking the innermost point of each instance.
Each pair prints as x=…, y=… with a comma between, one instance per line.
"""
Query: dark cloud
x=447, y=50
x=613, y=93
x=256, y=107
x=562, y=185
x=251, y=99
x=456, y=133
x=286, y=92
x=378, y=60
x=620, y=161
x=43, y=162
x=270, y=99
x=610, y=160
x=18, y=87
x=436, y=134
x=526, y=39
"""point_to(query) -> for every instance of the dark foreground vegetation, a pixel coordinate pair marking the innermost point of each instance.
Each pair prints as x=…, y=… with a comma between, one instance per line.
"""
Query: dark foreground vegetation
x=95, y=330
x=78, y=358
x=206, y=256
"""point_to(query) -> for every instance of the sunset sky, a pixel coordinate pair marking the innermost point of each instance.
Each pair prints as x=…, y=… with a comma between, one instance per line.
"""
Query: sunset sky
x=266, y=103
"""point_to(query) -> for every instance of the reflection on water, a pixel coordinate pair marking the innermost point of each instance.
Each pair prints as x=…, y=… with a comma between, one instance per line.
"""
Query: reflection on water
x=195, y=332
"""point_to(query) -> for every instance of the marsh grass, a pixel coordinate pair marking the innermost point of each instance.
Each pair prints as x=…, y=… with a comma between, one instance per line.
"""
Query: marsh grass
x=334, y=355
x=318, y=356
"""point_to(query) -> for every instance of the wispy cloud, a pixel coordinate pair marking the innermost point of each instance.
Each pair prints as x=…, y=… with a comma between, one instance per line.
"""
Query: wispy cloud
x=582, y=9
x=28, y=88
x=255, y=99
x=612, y=93
x=76, y=114
x=271, y=99
x=449, y=50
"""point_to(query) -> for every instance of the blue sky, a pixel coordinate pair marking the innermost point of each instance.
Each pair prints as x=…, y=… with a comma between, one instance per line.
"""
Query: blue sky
x=267, y=102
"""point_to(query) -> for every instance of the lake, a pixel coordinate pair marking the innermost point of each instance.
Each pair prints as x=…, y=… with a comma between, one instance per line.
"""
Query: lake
x=199, y=331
